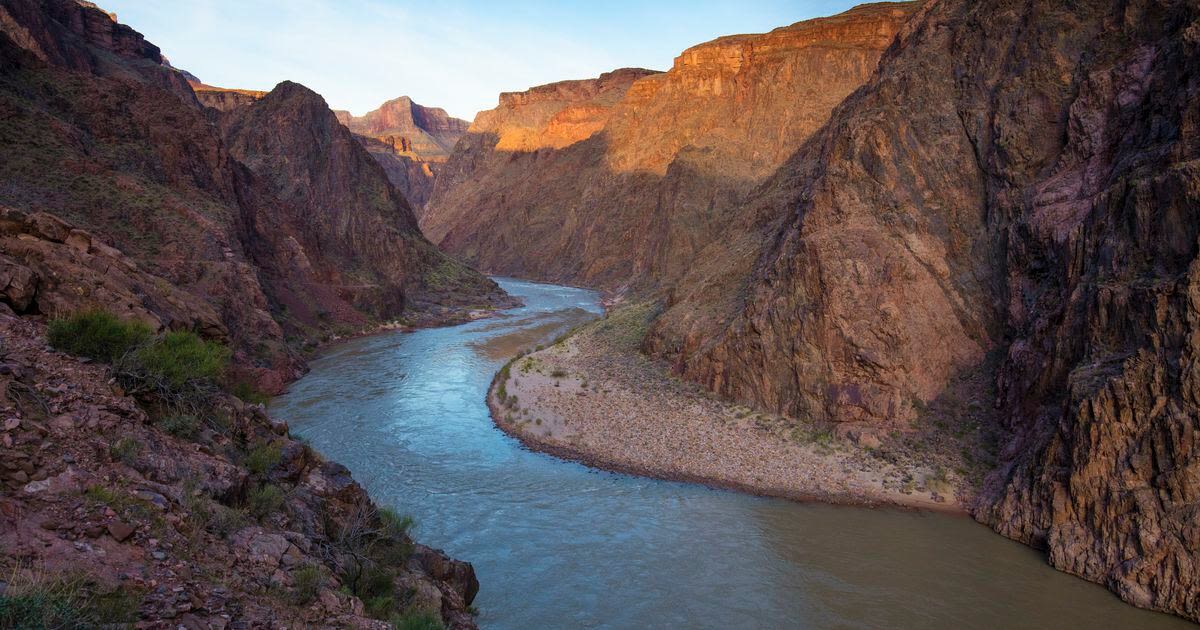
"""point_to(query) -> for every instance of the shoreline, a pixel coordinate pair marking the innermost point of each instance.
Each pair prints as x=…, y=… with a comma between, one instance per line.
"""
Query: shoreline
x=596, y=462
x=583, y=413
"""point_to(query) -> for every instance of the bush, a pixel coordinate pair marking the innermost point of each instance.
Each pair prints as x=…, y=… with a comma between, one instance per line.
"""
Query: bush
x=97, y=335
x=249, y=393
x=125, y=450
x=224, y=521
x=264, y=500
x=180, y=356
x=558, y=373
x=38, y=599
x=263, y=458
x=417, y=621
x=185, y=426
x=395, y=526
x=308, y=580
x=179, y=369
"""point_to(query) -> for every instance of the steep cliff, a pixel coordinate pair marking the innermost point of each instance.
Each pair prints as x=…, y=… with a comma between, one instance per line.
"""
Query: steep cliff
x=224, y=99
x=632, y=174
x=1014, y=191
x=410, y=141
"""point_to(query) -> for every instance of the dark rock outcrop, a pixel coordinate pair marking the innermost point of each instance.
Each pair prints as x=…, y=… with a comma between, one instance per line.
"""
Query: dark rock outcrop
x=1017, y=182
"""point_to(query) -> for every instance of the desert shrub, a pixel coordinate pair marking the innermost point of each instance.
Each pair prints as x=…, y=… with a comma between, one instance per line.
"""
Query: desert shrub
x=39, y=599
x=417, y=621
x=97, y=335
x=264, y=500
x=262, y=458
x=224, y=521
x=181, y=425
x=125, y=450
x=377, y=590
x=178, y=368
x=180, y=357
x=307, y=583
x=249, y=393
x=558, y=373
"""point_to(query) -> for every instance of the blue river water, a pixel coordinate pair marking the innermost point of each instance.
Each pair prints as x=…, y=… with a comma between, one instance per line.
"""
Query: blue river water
x=558, y=545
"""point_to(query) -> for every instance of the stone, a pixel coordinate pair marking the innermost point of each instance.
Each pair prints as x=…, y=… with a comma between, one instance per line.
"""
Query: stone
x=120, y=530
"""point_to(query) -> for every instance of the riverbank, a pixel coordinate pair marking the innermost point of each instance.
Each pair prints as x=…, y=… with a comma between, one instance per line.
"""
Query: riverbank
x=592, y=397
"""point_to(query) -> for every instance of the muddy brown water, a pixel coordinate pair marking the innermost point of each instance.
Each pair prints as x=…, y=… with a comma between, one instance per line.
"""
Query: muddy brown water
x=560, y=545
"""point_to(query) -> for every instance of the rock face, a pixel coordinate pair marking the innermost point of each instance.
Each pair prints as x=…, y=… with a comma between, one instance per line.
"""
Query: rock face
x=337, y=201
x=1016, y=187
x=632, y=174
x=267, y=227
x=224, y=99
x=98, y=132
x=410, y=141
x=157, y=526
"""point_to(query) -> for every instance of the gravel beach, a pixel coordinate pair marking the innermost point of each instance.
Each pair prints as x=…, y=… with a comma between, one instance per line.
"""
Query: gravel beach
x=592, y=397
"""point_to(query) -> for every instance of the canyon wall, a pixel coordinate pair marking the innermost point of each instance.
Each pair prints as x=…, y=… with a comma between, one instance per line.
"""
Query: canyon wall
x=410, y=141
x=1016, y=187
x=632, y=174
x=100, y=135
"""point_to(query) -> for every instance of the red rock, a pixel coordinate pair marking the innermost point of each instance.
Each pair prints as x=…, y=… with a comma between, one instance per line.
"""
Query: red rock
x=119, y=530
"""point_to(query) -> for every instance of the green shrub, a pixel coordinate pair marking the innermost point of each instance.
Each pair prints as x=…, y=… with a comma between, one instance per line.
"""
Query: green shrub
x=417, y=621
x=97, y=335
x=180, y=357
x=125, y=450
x=307, y=583
x=262, y=458
x=264, y=500
x=181, y=425
x=249, y=393
x=224, y=521
x=395, y=526
x=38, y=599
x=377, y=589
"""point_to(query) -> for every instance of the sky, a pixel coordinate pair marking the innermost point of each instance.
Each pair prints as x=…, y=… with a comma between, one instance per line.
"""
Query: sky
x=455, y=54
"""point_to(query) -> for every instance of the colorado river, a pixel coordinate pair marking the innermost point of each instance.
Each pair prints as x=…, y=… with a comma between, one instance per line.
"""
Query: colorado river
x=559, y=545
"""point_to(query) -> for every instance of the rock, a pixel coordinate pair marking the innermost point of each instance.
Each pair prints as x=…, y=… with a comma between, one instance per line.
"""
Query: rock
x=119, y=530
x=410, y=141
x=629, y=177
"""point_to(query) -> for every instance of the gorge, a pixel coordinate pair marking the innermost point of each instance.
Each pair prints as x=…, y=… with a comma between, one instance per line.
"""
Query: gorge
x=930, y=259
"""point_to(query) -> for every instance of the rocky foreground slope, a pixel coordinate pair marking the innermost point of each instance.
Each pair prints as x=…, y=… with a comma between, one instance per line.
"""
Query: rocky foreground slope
x=1003, y=216
x=113, y=514
x=632, y=174
x=266, y=231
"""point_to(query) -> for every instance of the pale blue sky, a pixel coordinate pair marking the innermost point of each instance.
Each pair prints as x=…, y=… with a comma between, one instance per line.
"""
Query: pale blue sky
x=454, y=54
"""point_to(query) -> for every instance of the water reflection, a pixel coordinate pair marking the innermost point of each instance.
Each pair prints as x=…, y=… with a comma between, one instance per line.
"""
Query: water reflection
x=560, y=545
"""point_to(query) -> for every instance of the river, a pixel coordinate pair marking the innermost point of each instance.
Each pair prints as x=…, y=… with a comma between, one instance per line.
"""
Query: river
x=558, y=545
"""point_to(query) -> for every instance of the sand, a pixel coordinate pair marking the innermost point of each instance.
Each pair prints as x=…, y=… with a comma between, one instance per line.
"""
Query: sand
x=593, y=398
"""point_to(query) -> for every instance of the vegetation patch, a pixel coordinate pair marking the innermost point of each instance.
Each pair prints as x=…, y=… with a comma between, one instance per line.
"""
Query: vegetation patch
x=97, y=335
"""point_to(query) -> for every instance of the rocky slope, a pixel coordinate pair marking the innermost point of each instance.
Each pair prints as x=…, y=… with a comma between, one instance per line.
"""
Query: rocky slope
x=110, y=518
x=632, y=174
x=1014, y=192
x=99, y=132
x=410, y=141
x=120, y=191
